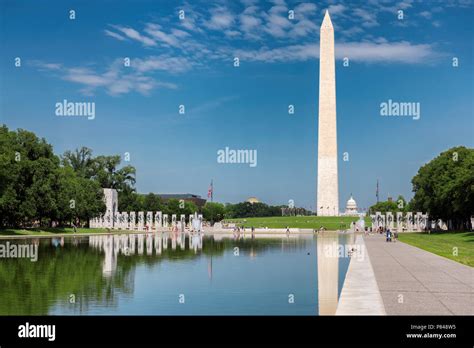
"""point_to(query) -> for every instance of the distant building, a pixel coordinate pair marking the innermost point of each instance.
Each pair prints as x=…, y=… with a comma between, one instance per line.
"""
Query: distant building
x=253, y=200
x=187, y=197
x=351, y=207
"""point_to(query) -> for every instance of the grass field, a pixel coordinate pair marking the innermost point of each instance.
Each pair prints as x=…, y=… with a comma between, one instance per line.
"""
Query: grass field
x=444, y=244
x=311, y=222
x=48, y=231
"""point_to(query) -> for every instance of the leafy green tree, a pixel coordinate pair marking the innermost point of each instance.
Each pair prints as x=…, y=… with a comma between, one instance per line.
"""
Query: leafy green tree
x=28, y=172
x=400, y=205
x=152, y=202
x=213, y=211
x=444, y=187
x=129, y=200
x=81, y=161
x=174, y=206
x=107, y=173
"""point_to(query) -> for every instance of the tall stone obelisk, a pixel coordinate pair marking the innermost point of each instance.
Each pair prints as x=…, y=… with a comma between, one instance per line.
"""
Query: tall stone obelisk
x=328, y=192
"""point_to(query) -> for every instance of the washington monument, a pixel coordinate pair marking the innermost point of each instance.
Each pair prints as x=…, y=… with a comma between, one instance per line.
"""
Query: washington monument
x=328, y=192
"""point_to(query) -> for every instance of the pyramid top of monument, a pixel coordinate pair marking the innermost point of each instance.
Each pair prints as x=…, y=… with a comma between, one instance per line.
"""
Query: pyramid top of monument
x=327, y=23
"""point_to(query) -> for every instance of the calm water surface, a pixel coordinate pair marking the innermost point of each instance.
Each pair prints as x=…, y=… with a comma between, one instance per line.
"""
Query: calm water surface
x=174, y=274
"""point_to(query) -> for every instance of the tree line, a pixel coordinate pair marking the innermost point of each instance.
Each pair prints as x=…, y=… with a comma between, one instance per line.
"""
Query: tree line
x=39, y=188
x=443, y=188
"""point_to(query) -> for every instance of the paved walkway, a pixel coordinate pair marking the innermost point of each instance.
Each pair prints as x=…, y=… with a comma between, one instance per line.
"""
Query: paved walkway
x=360, y=294
x=416, y=282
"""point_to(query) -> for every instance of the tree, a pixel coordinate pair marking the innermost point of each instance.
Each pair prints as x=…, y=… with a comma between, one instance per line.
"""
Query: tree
x=109, y=176
x=247, y=209
x=81, y=161
x=28, y=172
x=152, y=202
x=213, y=211
x=36, y=190
x=178, y=207
x=444, y=187
x=400, y=205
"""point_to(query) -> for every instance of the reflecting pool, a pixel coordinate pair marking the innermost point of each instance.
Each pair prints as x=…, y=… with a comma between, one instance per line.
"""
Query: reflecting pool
x=175, y=274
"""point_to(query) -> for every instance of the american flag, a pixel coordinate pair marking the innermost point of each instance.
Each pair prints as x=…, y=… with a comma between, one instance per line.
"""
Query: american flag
x=210, y=191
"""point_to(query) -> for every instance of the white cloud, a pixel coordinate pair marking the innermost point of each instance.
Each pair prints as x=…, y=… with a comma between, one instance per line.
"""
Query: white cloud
x=305, y=9
x=277, y=21
x=426, y=14
x=116, y=80
x=135, y=35
x=369, y=52
x=335, y=10
x=385, y=52
x=250, y=22
x=221, y=18
x=162, y=63
x=160, y=36
x=368, y=18
x=114, y=35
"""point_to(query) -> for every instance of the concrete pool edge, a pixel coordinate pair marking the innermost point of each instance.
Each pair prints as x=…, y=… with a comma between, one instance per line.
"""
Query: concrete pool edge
x=360, y=294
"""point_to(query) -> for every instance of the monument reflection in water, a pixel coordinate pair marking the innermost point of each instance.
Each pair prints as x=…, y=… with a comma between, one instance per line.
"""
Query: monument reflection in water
x=177, y=274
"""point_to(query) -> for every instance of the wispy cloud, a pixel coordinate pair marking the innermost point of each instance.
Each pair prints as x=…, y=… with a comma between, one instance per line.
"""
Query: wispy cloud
x=115, y=80
x=221, y=18
x=253, y=31
x=135, y=35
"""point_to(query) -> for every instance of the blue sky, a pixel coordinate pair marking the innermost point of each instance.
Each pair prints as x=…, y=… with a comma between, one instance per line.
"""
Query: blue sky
x=190, y=62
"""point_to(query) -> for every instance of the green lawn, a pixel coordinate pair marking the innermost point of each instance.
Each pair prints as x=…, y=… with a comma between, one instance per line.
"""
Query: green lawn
x=444, y=244
x=48, y=231
x=311, y=222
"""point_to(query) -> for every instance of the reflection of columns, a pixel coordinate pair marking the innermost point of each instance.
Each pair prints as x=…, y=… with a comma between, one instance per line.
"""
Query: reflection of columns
x=173, y=241
x=182, y=241
x=149, y=244
x=165, y=241
x=132, y=244
x=158, y=243
x=110, y=260
x=140, y=244
x=328, y=261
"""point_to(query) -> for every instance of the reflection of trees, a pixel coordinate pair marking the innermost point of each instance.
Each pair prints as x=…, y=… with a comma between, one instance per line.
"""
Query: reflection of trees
x=32, y=288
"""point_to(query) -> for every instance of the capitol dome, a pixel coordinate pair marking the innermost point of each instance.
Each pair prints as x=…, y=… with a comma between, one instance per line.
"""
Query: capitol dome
x=351, y=207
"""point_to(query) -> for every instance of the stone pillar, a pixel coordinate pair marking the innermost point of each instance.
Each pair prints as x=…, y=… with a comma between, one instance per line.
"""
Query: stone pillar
x=399, y=221
x=173, y=220
x=165, y=220
x=108, y=219
x=410, y=221
x=141, y=220
x=378, y=217
x=116, y=220
x=132, y=221
x=418, y=220
x=158, y=219
x=125, y=220
x=149, y=220
x=390, y=220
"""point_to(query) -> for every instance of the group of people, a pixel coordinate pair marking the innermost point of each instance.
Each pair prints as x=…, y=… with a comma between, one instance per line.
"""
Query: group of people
x=237, y=230
x=389, y=235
